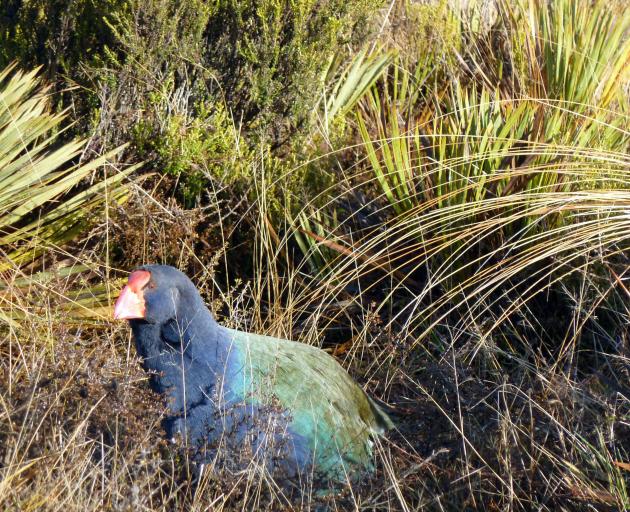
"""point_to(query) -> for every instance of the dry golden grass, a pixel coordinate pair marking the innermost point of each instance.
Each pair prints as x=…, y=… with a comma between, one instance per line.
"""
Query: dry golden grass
x=478, y=425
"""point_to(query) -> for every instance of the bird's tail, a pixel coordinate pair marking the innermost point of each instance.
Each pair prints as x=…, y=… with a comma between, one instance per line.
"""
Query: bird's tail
x=382, y=421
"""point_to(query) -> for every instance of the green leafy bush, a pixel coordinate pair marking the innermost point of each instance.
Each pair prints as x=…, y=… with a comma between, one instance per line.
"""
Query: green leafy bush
x=60, y=35
x=197, y=148
x=210, y=91
x=271, y=54
x=65, y=37
x=199, y=87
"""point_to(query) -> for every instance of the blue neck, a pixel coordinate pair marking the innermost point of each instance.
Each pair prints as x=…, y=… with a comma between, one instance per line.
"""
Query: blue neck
x=186, y=354
x=193, y=333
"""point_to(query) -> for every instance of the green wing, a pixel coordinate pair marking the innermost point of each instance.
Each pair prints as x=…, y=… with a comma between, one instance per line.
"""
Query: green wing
x=326, y=406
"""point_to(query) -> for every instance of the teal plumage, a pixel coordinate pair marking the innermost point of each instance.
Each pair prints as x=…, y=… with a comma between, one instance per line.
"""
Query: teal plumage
x=327, y=406
x=292, y=404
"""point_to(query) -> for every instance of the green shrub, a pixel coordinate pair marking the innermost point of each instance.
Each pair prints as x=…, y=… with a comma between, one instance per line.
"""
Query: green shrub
x=59, y=35
x=196, y=148
x=63, y=36
x=271, y=54
x=214, y=91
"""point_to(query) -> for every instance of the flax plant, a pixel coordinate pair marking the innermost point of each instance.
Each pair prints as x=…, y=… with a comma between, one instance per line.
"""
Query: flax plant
x=48, y=194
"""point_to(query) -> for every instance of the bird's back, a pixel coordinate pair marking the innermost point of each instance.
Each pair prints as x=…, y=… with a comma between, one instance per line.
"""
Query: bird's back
x=326, y=408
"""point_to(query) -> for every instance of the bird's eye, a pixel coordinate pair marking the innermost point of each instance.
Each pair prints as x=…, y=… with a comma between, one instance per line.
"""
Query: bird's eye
x=150, y=285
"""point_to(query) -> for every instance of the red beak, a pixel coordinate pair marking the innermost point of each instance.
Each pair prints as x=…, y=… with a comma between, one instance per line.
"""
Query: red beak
x=130, y=303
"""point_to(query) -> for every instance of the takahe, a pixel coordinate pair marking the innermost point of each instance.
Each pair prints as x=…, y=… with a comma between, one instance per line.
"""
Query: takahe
x=287, y=404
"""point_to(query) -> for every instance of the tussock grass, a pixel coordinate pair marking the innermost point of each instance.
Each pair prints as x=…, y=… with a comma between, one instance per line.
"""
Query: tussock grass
x=478, y=425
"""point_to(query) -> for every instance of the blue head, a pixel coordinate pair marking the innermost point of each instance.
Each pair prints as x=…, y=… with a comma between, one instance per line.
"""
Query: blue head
x=160, y=301
x=157, y=294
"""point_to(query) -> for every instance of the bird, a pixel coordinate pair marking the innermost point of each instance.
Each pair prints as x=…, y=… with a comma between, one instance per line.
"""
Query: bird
x=287, y=405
